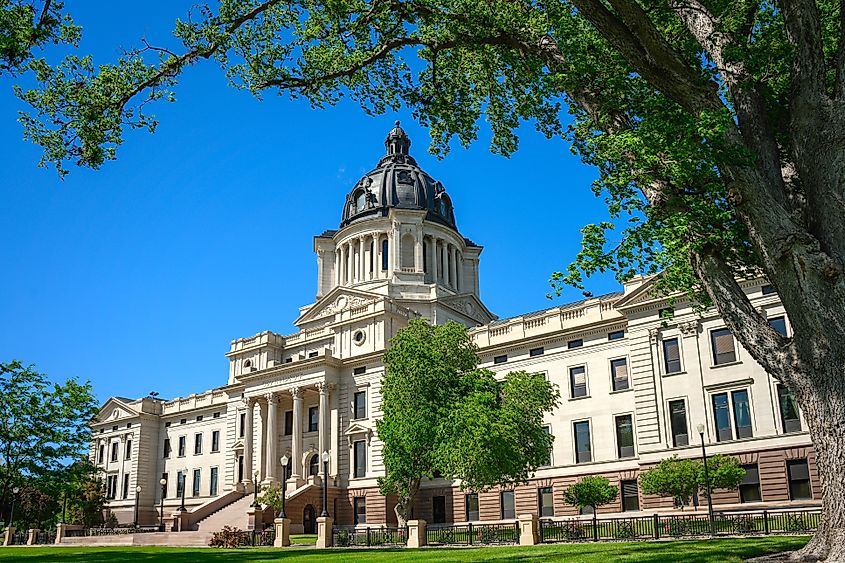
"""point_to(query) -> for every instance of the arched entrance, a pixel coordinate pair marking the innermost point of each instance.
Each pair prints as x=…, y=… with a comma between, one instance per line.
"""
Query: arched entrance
x=309, y=520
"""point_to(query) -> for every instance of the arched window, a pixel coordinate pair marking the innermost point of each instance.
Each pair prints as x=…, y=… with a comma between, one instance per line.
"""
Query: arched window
x=384, y=256
x=360, y=200
x=248, y=364
x=314, y=465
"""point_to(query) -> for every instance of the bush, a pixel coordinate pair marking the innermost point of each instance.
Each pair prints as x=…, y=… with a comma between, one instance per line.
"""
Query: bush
x=344, y=538
x=228, y=538
x=794, y=524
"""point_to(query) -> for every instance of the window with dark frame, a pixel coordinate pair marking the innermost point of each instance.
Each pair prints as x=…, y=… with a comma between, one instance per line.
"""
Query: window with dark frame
x=359, y=404
x=722, y=344
x=102, y=454
x=242, y=424
x=500, y=359
x=798, y=473
x=360, y=458
x=630, y=496
x=779, y=324
x=767, y=289
x=288, y=423
x=722, y=417
x=361, y=370
x=471, y=503
x=545, y=501
x=790, y=419
x=577, y=382
x=583, y=449
x=384, y=255
x=182, y=443
x=749, y=488
x=616, y=335
x=360, y=510
x=128, y=453
x=215, y=441
x=212, y=486
x=678, y=421
x=313, y=419
x=197, y=480
x=114, y=446
x=742, y=414
x=671, y=355
x=180, y=482
x=166, y=448
x=197, y=444
x=624, y=436
x=577, y=343
x=506, y=500
x=619, y=374
x=548, y=430
x=125, y=485
x=438, y=509
x=534, y=352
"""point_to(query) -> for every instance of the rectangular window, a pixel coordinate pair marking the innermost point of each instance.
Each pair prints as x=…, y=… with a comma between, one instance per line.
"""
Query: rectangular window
x=583, y=450
x=180, y=483
x=625, y=436
x=199, y=418
x=534, y=352
x=360, y=455
x=545, y=501
x=166, y=448
x=749, y=489
x=215, y=441
x=619, y=373
x=313, y=419
x=788, y=410
x=500, y=359
x=197, y=444
x=671, y=355
x=742, y=414
x=779, y=324
x=578, y=382
x=722, y=417
x=548, y=430
x=313, y=354
x=128, y=453
x=242, y=425
x=471, y=501
x=110, y=486
x=126, y=485
x=360, y=510
x=767, y=289
x=212, y=488
x=722, y=342
x=616, y=335
x=630, y=496
x=678, y=420
x=798, y=473
x=114, y=446
x=102, y=454
x=181, y=446
x=288, y=423
x=197, y=479
x=216, y=415
x=508, y=505
x=577, y=343
x=359, y=370
x=438, y=509
x=360, y=405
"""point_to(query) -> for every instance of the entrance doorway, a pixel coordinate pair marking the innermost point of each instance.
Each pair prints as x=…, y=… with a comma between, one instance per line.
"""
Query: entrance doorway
x=309, y=520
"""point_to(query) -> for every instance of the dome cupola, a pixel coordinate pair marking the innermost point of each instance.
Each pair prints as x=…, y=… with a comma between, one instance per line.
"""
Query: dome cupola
x=398, y=183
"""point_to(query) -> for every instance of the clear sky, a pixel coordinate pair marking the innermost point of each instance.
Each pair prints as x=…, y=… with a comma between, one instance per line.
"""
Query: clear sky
x=139, y=275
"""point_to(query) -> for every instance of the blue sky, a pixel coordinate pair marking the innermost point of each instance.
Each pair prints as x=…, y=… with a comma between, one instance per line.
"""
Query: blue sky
x=138, y=276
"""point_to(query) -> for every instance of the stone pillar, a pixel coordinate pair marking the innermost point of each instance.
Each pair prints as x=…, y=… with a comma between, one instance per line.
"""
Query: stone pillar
x=323, y=429
x=31, y=536
x=320, y=259
x=255, y=519
x=362, y=260
x=282, y=532
x=296, y=438
x=417, y=533
x=324, y=532
x=61, y=530
x=452, y=273
x=376, y=262
x=272, y=438
x=248, y=445
x=459, y=270
x=350, y=263
x=529, y=533
x=418, y=251
x=337, y=267
x=393, y=249
x=9, y=534
x=434, y=266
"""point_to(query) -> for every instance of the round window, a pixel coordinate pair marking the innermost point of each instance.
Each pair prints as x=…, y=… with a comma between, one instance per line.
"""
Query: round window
x=359, y=337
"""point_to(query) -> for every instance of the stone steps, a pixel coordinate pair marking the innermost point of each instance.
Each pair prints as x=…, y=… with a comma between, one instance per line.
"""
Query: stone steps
x=176, y=539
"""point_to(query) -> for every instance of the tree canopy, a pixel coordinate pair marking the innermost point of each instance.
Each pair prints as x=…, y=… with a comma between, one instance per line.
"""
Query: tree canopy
x=683, y=479
x=592, y=491
x=442, y=416
x=26, y=25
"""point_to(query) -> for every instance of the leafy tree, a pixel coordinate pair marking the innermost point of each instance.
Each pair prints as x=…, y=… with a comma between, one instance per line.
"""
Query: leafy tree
x=43, y=426
x=272, y=496
x=592, y=491
x=26, y=25
x=86, y=494
x=717, y=128
x=682, y=479
x=442, y=415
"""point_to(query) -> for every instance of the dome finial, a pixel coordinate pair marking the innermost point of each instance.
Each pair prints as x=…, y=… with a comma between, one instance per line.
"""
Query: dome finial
x=397, y=141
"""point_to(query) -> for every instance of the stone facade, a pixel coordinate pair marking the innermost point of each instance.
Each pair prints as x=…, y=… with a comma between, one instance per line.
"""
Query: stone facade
x=635, y=385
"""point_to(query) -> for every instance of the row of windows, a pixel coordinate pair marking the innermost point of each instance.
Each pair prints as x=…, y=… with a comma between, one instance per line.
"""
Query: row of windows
x=198, y=440
x=619, y=379
x=571, y=344
x=127, y=455
x=359, y=410
x=213, y=483
x=624, y=431
x=199, y=418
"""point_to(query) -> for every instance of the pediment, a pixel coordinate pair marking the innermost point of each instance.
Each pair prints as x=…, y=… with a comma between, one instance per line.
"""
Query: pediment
x=357, y=428
x=336, y=301
x=641, y=295
x=115, y=409
x=469, y=305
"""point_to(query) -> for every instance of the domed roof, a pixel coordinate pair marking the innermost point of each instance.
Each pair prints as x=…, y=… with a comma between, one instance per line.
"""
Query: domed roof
x=397, y=182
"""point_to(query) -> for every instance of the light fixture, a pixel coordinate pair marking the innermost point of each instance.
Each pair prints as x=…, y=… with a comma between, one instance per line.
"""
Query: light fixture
x=326, y=456
x=700, y=428
x=162, y=481
x=138, y=489
x=16, y=490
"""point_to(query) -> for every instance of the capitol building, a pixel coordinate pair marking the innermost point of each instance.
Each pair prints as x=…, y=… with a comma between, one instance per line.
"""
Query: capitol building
x=637, y=386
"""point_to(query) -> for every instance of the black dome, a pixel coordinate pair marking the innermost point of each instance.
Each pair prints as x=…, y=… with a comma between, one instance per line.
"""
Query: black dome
x=397, y=182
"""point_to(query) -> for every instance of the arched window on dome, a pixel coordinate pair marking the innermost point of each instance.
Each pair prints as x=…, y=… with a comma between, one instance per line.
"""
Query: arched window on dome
x=385, y=245
x=360, y=201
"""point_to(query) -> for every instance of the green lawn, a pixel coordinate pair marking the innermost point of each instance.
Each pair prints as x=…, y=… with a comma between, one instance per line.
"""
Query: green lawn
x=721, y=550
x=303, y=539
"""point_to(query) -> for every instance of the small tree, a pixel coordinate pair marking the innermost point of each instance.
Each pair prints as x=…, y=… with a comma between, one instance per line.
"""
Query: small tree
x=683, y=478
x=272, y=496
x=592, y=491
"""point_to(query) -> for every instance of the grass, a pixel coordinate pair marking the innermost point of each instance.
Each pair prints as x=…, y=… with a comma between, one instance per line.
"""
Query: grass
x=303, y=539
x=715, y=550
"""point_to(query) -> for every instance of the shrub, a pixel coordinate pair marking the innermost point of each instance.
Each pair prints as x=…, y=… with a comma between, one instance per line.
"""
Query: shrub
x=228, y=538
x=344, y=538
x=794, y=524
x=625, y=530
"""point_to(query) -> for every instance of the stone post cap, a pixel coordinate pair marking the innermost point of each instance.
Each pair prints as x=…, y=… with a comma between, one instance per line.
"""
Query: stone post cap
x=527, y=517
x=416, y=522
x=325, y=519
x=281, y=521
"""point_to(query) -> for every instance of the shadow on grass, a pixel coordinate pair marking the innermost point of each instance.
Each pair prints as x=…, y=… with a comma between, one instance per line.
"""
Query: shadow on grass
x=721, y=550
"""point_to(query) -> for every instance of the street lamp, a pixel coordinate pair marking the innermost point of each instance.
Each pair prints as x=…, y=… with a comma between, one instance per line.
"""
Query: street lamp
x=15, y=492
x=163, y=483
x=700, y=429
x=137, y=499
x=184, y=482
x=284, y=461
x=325, y=512
x=255, y=491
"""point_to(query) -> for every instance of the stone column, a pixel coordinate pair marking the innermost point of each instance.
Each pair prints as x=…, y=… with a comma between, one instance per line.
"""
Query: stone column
x=320, y=258
x=417, y=533
x=376, y=256
x=248, y=421
x=296, y=438
x=528, y=529
x=323, y=429
x=452, y=273
x=418, y=251
x=392, y=249
x=434, y=266
x=459, y=270
x=362, y=260
x=272, y=438
x=350, y=263
x=337, y=263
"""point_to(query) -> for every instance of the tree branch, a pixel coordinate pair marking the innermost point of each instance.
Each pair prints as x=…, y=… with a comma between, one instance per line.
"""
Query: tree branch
x=803, y=29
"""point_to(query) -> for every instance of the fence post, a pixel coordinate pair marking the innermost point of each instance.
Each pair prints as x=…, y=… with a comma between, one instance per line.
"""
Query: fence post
x=766, y=522
x=417, y=534
x=324, y=532
x=368, y=536
x=656, y=526
x=470, y=533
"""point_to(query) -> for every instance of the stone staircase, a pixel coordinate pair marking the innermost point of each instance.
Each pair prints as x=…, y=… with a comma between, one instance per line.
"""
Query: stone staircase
x=234, y=515
x=176, y=539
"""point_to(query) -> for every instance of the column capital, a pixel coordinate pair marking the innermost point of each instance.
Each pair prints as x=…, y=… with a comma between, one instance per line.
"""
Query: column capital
x=271, y=398
x=248, y=402
x=295, y=392
x=323, y=387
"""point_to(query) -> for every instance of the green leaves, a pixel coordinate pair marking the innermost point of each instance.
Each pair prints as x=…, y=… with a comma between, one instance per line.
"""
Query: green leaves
x=443, y=415
x=591, y=491
x=684, y=478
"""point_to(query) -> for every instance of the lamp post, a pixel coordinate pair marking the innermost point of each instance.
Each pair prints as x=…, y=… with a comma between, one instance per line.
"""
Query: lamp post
x=255, y=492
x=15, y=492
x=284, y=461
x=163, y=483
x=137, y=500
x=184, y=482
x=706, y=481
x=325, y=511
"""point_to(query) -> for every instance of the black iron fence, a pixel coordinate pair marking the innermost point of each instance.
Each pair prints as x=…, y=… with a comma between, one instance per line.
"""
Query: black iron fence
x=45, y=537
x=369, y=537
x=473, y=534
x=257, y=538
x=687, y=525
